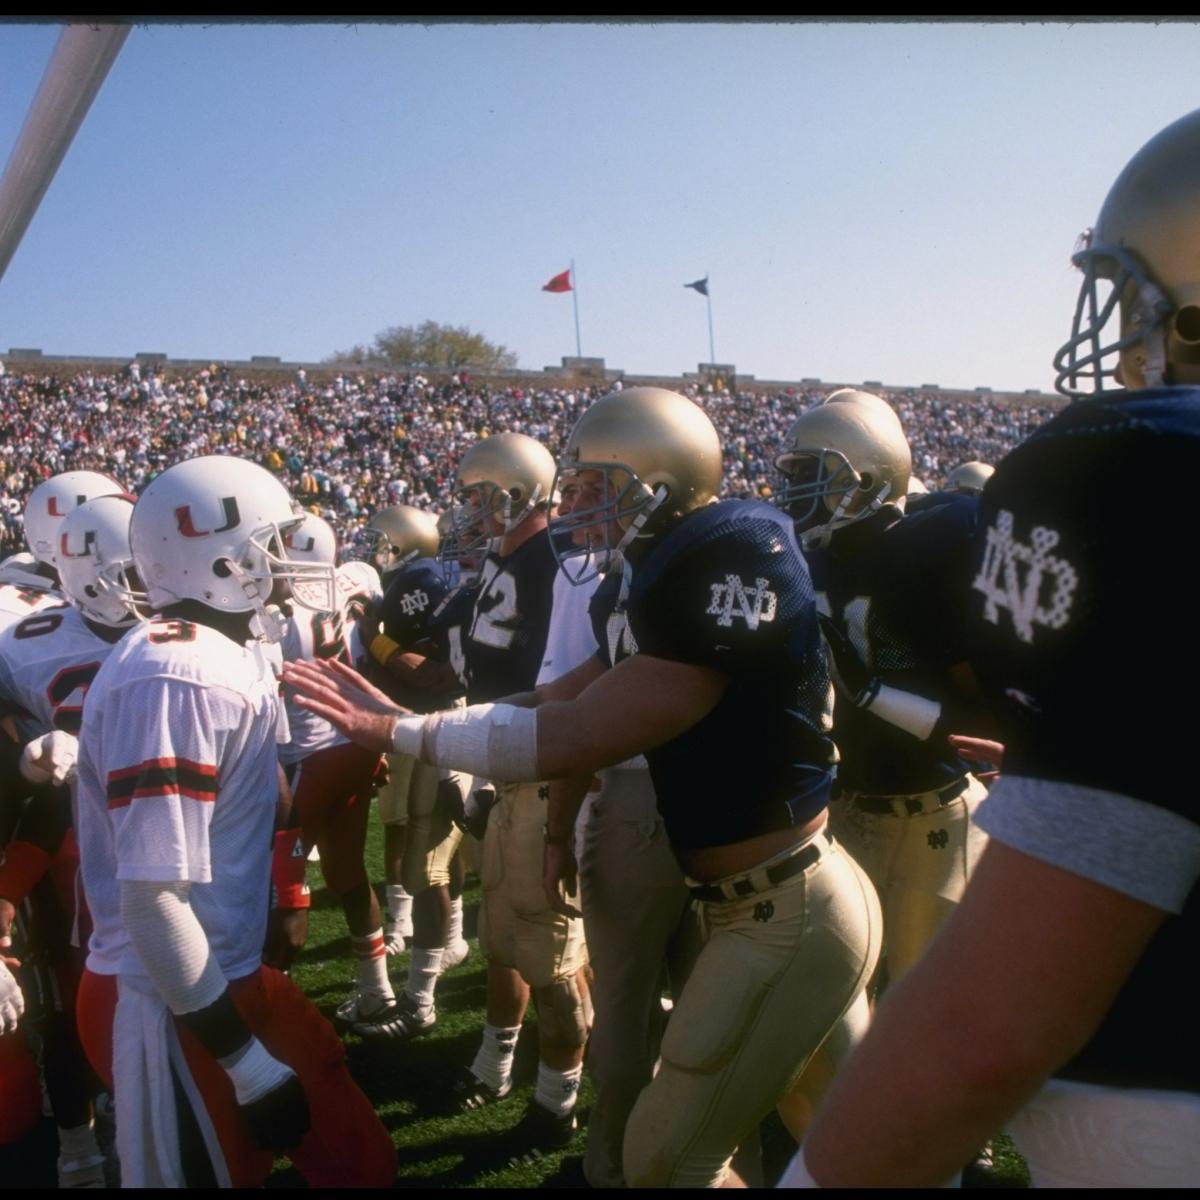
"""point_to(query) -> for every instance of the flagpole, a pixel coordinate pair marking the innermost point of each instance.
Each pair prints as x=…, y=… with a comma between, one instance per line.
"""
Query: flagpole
x=712, y=354
x=575, y=302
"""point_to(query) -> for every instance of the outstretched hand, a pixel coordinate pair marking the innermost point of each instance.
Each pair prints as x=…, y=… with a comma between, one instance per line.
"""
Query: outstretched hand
x=346, y=700
x=980, y=750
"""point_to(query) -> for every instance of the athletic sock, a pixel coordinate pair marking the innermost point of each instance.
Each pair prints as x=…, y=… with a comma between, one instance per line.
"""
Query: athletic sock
x=370, y=966
x=78, y=1144
x=399, y=907
x=557, y=1091
x=454, y=929
x=493, y=1063
x=423, y=973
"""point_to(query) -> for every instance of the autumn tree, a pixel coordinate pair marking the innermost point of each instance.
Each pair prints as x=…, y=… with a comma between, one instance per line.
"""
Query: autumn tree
x=430, y=346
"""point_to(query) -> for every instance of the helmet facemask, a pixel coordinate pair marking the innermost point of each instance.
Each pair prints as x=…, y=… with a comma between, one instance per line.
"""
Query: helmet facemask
x=610, y=514
x=816, y=484
x=1145, y=311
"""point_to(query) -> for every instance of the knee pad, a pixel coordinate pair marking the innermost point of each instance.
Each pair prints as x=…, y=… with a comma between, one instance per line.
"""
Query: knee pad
x=564, y=1011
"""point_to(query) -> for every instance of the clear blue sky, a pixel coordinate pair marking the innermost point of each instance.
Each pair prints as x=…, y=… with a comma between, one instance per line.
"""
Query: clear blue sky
x=894, y=202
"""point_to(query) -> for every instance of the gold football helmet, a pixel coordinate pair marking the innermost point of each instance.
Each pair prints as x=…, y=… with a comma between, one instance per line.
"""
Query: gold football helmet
x=969, y=478
x=658, y=456
x=1146, y=244
x=399, y=534
x=842, y=462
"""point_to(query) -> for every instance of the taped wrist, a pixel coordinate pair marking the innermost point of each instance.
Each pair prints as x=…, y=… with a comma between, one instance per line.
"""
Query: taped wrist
x=287, y=871
x=24, y=864
x=497, y=741
x=254, y=1072
x=916, y=715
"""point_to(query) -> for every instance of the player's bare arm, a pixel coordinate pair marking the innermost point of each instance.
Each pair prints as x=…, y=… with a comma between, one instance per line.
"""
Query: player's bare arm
x=1036, y=980
x=638, y=705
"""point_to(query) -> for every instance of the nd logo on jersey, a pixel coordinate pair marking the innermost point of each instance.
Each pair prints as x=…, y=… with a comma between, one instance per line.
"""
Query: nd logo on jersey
x=734, y=599
x=1016, y=576
x=414, y=602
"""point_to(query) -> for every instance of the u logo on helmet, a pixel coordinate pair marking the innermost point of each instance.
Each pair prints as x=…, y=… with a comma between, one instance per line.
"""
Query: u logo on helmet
x=89, y=545
x=52, y=505
x=292, y=543
x=229, y=506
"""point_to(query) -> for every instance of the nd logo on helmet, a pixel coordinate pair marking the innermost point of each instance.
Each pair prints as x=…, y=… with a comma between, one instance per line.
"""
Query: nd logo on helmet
x=229, y=507
x=52, y=505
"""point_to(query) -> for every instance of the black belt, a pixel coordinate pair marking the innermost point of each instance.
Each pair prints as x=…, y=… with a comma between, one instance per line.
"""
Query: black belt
x=909, y=806
x=763, y=879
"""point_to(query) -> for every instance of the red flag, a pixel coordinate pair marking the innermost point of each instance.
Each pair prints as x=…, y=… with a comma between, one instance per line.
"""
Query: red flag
x=560, y=283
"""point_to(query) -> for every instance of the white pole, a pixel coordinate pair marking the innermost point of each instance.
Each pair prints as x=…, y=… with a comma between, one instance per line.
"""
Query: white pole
x=77, y=69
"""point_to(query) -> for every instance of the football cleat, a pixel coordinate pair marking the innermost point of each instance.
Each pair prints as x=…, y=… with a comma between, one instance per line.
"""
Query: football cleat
x=81, y=1172
x=468, y=1093
x=398, y=1021
x=538, y=1131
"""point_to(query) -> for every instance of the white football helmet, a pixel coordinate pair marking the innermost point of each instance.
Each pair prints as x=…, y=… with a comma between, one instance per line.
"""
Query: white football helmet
x=50, y=502
x=95, y=563
x=312, y=541
x=212, y=529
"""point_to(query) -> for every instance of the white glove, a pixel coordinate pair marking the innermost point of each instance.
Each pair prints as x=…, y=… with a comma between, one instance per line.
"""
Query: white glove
x=50, y=758
x=12, y=1002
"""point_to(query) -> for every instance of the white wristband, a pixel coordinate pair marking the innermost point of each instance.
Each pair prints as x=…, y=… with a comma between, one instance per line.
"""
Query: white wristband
x=906, y=710
x=254, y=1072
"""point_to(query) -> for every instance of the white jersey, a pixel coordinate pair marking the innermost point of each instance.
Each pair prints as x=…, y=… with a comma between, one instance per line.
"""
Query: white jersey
x=19, y=600
x=47, y=663
x=569, y=638
x=177, y=782
x=311, y=636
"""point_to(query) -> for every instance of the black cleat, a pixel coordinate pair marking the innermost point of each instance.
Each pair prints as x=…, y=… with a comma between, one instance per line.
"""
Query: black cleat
x=538, y=1131
x=468, y=1093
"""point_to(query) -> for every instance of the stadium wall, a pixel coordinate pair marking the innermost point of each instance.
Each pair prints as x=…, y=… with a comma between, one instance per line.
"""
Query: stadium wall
x=572, y=372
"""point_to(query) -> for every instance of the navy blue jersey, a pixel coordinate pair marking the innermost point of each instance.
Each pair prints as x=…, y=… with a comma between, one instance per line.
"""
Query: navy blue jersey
x=414, y=595
x=610, y=627
x=728, y=589
x=1081, y=616
x=895, y=586
x=506, y=639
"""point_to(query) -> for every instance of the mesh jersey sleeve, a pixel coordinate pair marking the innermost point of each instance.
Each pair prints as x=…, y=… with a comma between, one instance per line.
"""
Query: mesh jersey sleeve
x=161, y=754
x=733, y=599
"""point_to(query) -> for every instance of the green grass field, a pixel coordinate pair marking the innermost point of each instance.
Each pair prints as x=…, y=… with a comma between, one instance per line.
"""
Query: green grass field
x=408, y=1081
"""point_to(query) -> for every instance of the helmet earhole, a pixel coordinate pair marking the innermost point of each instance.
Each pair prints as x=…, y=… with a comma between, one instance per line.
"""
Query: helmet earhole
x=866, y=481
x=1187, y=323
x=221, y=568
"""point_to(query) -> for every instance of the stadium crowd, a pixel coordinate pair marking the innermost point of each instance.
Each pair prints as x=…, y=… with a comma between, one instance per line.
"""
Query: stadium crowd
x=356, y=443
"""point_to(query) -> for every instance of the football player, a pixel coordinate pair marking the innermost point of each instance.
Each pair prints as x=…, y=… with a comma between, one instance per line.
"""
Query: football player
x=728, y=653
x=407, y=627
x=1070, y=954
x=219, y=1060
x=329, y=777
x=891, y=589
x=397, y=537
x=504, y=485
x=29, y=582
x=969, y=478
x=47, y=663
x=631, y=891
